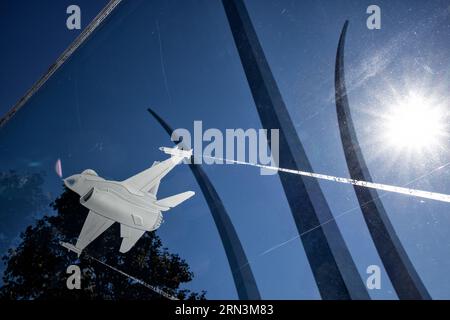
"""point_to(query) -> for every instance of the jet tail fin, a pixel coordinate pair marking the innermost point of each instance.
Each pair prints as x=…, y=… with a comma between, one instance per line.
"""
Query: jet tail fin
x=129, y=237
x=173, y=201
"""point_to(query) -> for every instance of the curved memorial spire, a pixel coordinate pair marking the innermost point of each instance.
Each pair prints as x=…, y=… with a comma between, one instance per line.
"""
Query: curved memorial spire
x=331, y=263
x=243, y=277
x=399, y=268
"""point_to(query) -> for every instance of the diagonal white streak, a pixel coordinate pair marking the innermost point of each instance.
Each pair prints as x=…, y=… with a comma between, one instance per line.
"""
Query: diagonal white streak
x=379, y=186
x=145, y=284
x=106, y=11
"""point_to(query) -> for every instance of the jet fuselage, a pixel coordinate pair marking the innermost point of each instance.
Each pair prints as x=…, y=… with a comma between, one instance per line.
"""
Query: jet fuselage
x=132, y=202
x=116, y=201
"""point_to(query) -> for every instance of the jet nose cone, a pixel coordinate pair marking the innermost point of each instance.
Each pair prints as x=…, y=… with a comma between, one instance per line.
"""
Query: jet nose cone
x=70, y=181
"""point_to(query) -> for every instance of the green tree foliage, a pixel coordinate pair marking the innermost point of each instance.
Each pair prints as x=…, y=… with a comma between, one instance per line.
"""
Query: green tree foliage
x=36, y=269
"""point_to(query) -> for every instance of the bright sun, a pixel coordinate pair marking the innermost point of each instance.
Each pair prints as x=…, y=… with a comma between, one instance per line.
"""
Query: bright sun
x=415, y=123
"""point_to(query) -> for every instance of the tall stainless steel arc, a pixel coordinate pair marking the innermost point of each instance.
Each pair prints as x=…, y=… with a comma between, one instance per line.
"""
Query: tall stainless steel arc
x=399, y=268
x=332, y=265
x=242, y=274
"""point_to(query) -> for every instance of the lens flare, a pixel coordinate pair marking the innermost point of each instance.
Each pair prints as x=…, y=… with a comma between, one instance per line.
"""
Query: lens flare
x=58, y=168
x=414, y=123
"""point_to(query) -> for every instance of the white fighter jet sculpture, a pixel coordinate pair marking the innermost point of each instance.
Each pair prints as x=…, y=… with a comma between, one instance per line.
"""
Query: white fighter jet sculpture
x=132, y=202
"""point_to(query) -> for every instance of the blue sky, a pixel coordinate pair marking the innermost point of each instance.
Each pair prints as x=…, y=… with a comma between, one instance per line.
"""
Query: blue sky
x=179, y=58
x=33, y=35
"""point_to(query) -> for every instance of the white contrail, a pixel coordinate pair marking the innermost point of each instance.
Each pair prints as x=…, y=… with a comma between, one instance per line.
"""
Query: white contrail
x=145, y=284
x=379, y=186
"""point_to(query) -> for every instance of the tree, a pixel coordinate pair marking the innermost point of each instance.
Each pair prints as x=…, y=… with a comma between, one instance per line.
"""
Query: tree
x=36, y=269
x=21, y=198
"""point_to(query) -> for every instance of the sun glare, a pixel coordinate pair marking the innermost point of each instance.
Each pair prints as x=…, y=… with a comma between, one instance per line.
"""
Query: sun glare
x=415, y=123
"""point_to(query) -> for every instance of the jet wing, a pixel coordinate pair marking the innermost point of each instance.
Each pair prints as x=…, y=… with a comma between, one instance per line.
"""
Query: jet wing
x=147, y=179
x=94, y=225
x=130, y=237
